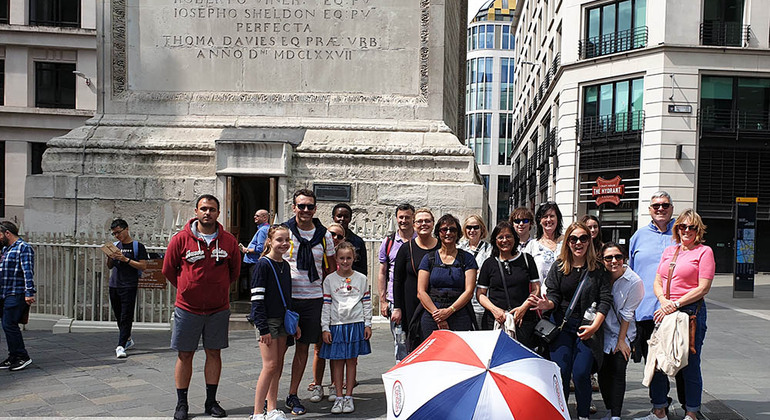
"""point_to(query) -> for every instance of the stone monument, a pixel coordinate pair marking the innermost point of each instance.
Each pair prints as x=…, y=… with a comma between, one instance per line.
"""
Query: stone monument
x=252, y=99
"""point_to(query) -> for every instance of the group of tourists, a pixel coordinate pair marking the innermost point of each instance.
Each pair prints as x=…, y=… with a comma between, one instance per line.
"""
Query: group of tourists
x=308, y=286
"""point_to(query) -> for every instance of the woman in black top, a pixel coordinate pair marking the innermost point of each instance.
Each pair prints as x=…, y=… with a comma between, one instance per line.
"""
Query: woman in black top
x=405, y=271
x=505, y=282
x=577, y=346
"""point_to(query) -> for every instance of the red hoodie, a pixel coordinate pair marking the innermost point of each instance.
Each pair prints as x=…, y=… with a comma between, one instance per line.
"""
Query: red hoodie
x=202, y=273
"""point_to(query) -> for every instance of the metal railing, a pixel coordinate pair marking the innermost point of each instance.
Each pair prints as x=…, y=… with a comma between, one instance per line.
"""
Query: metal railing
x=732, y=121
x=613, y=125
x=612, y=43
x=724, y=34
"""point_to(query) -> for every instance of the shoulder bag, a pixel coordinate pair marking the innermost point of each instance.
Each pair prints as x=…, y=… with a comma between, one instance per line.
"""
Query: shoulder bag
x=290, y=318
x=547, y=330
x=693, y=317
x=508, y=327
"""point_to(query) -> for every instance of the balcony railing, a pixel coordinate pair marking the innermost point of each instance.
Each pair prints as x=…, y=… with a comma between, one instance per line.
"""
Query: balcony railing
x=724, y=34
x=615, y=42
x=615, y=125
x=731, y=122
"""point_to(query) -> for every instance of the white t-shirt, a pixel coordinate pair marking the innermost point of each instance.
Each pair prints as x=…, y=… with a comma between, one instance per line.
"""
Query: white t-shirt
x=301, y=287
x=343, y=305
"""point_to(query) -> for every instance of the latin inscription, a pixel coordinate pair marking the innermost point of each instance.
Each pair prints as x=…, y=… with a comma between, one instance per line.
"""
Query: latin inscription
x=232, y=37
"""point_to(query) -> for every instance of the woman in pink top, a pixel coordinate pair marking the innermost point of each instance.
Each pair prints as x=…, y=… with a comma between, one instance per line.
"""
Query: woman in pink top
x=685, y=291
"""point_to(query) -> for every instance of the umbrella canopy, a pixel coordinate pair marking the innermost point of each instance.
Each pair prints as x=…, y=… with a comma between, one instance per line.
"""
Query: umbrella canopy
x=474, y=375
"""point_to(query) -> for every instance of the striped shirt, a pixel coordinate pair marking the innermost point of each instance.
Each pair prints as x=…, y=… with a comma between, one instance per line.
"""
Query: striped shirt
x=17, y=270
x=301, y=287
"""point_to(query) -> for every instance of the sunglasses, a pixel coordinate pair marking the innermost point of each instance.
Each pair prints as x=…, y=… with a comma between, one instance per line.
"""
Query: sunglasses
x=582, y=238
x=448, y=230
x=684, y=228
x=657, y=206
x=304, y=207
x=473, y=227
x=337, y=235
x=520, y=221
x=610, y=258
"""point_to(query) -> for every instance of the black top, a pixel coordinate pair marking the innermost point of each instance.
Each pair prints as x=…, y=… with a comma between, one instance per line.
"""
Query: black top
x=405, y=269
x=122, y=274
x=519, y=272
x=360, y=264
x=265, y=299
x=561, y=288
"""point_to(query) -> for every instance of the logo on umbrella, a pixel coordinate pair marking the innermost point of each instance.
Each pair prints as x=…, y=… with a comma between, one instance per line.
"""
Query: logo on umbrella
x=557, y=389
x=398, y=398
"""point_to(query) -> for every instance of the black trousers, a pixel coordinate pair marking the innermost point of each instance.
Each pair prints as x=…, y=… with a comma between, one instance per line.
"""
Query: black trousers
x=612, y=381
x=123, y=301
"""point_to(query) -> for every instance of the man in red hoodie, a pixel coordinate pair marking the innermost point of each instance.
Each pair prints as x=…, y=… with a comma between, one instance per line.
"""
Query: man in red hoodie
x=201, y=261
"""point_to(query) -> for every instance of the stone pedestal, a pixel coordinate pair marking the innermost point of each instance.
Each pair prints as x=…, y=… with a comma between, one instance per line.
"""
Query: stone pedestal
x=194, y=95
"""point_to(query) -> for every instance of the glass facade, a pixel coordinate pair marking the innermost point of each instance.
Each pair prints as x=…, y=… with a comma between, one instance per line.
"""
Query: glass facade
x=735, y=103
x=616, y=106
x=615, y=27
x=479, y=132
x=507, y=67
x=505, y=139
x=478, y=90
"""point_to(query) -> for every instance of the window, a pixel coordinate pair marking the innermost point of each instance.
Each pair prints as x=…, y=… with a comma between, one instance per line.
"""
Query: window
x=507, y=43
x=36, y=157
x=63, y=13
x=4, y=11
x=2, y=81
x=481, y=37
x=54, y=85
x=479, y=132
x=729, y=103
x=615, y=27
x=507, y=68
x=479, y=89
x=614, y=107
x=505, y=139
x=503, y=197
x=723, y=23
x=2, y=179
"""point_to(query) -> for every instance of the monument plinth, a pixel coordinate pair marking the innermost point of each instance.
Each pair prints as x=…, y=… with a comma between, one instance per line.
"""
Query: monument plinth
x=251, y=99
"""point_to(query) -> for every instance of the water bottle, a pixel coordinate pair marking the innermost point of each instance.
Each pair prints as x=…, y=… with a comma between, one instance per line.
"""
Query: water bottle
x=590, y=314
x=398, y=332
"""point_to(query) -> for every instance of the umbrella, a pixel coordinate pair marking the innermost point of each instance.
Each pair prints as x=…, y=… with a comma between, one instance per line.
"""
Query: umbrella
x=474, y=375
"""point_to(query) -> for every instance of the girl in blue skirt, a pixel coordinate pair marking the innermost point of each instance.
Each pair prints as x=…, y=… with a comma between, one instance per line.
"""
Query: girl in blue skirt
x=346, y=321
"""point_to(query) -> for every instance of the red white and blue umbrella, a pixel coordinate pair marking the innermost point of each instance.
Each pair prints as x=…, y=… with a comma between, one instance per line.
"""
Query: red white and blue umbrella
x=474, y=375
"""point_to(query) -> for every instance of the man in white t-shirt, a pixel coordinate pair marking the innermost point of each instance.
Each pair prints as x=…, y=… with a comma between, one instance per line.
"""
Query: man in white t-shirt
x=311, y=258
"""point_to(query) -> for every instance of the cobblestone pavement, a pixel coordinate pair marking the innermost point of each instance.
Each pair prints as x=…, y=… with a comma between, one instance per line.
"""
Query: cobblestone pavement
x=77, y=374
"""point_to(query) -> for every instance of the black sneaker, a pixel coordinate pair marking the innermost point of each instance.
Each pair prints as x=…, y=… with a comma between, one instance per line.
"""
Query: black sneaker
x=293, y=403
x=181, y=411
x=6, y=364
x=20, y=363
x=215, y=410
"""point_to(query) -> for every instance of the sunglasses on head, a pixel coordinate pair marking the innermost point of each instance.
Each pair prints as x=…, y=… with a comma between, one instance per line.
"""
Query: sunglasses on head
x=582, y=238
x=304, y=207
x=473, y=227
x=520, y=221
x=448, y=230
x=657, y=206
x=610, y=258
x=683, y=228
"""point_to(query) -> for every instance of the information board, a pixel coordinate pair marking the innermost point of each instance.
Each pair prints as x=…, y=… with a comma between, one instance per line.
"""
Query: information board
x=745, y=232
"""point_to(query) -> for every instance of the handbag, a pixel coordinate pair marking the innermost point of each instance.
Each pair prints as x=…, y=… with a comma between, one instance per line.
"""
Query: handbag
x=693, y=317
x=290, y=318
x=547, y=330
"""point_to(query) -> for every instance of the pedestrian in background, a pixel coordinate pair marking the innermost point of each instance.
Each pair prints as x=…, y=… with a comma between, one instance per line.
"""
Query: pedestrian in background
x=17, y=292
x=595, y=229
x=201, y=261
x=125, y=266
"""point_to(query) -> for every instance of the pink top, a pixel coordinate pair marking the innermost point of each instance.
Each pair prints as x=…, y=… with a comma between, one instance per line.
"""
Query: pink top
x=691, y=265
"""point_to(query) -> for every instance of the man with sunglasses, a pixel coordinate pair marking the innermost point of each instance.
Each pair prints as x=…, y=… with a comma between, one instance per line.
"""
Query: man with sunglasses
x=646, y=248
x=125, y=265
x=17, y=292
x=311, y=258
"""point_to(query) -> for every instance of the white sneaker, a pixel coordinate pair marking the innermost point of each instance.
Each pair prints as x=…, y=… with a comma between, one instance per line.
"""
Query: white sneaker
x=332, y=393
x=337, y=407
x=687, y=417
x=317, y=393
x=347, y=405
x=615, y=418
x=650, y=416
x=275, y=415
x=120, y=352
x=129, y=343
x=582, y=418
x=257, y=417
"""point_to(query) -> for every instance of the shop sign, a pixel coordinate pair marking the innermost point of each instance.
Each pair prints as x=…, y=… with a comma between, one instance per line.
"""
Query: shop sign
x=608, y=190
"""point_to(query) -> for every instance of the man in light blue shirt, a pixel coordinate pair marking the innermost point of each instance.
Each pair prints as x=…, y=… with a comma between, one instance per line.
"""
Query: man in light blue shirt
x=252, y=252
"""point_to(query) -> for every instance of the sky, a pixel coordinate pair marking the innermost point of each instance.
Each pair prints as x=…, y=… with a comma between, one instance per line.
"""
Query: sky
x=473, y=7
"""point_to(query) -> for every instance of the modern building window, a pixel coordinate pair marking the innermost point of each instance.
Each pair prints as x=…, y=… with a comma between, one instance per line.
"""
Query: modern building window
x=4, y=11
x=507, y=68
x=479, y=89
x=507, y=38
x=615, y=27
x=36, y=157
x=481, y=37
x=735, y=103
x=479, y=129
x=62, y=13
x=503, y=197
x=505, y=139
x=613, y=107
x=54, y=85
x=723, y=23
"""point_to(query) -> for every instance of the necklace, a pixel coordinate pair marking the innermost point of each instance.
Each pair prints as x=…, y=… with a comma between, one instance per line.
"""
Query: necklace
x=280, y=264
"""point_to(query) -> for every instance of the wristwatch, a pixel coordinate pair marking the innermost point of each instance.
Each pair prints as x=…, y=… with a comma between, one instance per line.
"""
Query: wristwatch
x=676, y=303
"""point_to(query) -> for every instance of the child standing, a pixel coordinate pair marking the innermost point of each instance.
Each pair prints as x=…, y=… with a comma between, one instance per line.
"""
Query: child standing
x=270, y=293
x=346, y=322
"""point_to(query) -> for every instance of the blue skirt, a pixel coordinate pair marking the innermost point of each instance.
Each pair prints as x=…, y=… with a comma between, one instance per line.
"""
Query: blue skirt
x=347, y=342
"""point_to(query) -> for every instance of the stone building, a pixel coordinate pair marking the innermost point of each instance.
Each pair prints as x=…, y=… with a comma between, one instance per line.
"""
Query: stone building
x=47, y=84
x=638, y=99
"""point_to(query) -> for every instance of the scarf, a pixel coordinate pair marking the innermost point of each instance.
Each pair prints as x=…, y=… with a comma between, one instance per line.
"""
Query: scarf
x=305, y=260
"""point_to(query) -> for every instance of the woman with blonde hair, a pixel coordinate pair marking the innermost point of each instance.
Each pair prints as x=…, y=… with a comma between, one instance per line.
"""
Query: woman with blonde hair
x=577, y=283
x=474, y=242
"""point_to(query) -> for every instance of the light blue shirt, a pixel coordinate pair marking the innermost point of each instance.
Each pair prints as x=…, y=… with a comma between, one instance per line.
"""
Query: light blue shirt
x=257, y=243
x=646, y=248
x=627, y=293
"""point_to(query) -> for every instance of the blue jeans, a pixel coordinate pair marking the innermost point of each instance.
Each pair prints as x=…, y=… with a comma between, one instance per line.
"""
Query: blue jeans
x=690, y=376
x=13, y=307
x=575, y=360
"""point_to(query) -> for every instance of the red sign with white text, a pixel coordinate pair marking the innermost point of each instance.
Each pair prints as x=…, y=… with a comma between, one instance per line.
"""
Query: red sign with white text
x=608, y=190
